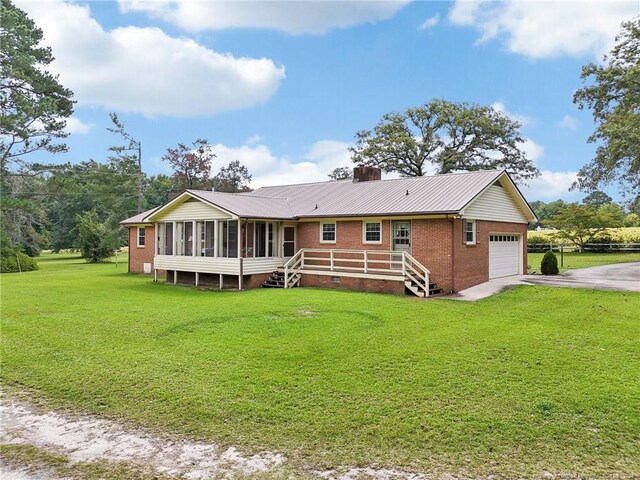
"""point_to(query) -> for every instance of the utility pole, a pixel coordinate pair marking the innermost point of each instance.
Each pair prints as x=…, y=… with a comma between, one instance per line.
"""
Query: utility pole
x=134, y=146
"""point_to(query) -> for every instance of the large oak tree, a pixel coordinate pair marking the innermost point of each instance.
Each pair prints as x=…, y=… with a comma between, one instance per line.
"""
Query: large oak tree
x=445, y=136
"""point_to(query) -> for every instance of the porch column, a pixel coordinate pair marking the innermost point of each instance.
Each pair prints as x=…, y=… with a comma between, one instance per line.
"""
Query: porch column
x=175, y=239
x=216, y=243
x=194, y=236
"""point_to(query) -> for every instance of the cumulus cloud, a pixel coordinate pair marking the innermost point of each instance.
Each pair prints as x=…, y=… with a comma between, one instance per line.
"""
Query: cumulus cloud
x=146, y=71
x=293, y=17
x=568, y=122
x=545, y=28
x=551, y=186
x=502, y=108
x=268, y=168
x=430, y=22
x=77, y=126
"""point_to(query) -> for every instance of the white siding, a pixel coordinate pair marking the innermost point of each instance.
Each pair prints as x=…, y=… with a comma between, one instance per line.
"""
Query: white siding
x=194, y=210
x=496, y=204
x=227, y=266
x=261, y=265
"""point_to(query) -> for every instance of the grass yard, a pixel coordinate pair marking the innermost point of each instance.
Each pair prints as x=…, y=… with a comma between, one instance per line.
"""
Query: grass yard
x=535, y=379
x=582, y=260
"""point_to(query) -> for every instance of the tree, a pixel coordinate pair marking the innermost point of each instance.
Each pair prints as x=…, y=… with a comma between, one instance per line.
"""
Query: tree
x=33, y=109
x=579, y=224
x=448, y=136
x=597, y=198
x=129, y=153
x=233, y=178
x=341, y=173
x=614, y=98
x=191, y=166
x=156, y=190
x=96, y=243
x=546, y=211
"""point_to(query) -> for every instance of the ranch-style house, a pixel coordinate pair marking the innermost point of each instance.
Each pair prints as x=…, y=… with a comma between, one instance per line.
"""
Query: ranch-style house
x=418, y=235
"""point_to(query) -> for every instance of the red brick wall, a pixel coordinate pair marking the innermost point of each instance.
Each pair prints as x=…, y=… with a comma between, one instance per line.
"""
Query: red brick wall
x=348, y=236
x=358, y=284
x=436, y=243
x=471, y=262
x=140, y=255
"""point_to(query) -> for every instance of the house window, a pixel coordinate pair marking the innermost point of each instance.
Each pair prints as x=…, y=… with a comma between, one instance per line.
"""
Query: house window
x=141, y=233
x=372, y=232
x=168, y=238
x=470, y=232
x=205, y=241
x=228, y=238
x=328, y=232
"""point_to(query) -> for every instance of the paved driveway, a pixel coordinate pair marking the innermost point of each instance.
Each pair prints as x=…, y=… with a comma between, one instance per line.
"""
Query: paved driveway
x=619, y=276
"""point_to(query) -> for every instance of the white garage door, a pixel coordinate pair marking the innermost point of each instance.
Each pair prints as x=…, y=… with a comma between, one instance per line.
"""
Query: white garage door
x=504, y=255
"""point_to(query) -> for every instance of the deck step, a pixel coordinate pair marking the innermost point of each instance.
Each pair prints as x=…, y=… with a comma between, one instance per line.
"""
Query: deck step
x=418, y=291
x=276, y=280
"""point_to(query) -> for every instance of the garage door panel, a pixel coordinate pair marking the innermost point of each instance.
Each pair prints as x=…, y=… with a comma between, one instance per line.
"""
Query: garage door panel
x=504, y=255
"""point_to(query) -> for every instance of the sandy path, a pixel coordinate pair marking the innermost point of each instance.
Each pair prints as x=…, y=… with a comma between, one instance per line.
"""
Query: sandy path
x=83, y=438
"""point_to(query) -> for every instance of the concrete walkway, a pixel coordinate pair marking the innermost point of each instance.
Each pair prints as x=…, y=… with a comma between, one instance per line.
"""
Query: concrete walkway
x=619, y=276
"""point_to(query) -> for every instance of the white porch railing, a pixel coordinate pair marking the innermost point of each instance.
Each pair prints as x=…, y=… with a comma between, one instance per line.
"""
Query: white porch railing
x=365, y=262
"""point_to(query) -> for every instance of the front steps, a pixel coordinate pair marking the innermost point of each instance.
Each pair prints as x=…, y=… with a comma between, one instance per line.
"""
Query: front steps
x=417, y=290
x=276, y=280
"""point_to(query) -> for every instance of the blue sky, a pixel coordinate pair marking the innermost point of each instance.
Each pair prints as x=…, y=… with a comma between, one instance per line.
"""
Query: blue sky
x=283, y=86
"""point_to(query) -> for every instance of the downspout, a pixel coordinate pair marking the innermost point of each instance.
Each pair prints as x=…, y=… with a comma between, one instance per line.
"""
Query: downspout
x=453, y=253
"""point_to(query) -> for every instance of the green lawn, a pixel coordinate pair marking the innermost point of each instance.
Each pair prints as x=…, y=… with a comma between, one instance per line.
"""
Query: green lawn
x=582, y=260
x=534, y=379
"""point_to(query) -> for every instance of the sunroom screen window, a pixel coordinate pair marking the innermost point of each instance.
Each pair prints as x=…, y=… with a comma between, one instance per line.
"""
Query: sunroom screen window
x=228, y=238
x=168, y=238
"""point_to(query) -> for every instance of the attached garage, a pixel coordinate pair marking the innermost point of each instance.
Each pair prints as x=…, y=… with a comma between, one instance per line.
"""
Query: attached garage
x=505, y=255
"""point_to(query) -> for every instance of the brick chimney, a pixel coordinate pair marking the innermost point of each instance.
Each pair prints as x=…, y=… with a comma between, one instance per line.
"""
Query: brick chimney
x=366, y=174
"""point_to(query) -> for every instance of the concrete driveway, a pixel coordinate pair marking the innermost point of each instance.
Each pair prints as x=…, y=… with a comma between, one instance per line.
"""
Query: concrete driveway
x=619, y=276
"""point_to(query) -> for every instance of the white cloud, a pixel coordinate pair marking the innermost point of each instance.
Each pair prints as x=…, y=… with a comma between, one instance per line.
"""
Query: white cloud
x=546, y=28
x=144, y=70
x=77, y=126
x=430, y=22
x=551, y=186
x=502, y=108
x=533, y=150
x=294, y=17
x=568, y=122
x=254, y=139
x=269, y=169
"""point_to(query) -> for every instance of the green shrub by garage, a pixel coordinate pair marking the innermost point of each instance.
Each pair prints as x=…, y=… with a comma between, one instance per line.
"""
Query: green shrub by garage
x=549, y=264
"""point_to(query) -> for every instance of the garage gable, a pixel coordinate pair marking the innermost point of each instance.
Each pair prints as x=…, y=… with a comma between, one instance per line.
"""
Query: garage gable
x=496, y=203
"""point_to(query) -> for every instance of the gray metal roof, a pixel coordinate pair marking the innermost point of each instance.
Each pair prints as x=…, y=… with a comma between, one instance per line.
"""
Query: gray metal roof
x=139, y=218
x=438, y=194
x=415, y=195
x=247, y=205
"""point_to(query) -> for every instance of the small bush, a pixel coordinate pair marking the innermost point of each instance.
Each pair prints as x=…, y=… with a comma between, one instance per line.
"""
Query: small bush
x=9, y=263
x=549, y=264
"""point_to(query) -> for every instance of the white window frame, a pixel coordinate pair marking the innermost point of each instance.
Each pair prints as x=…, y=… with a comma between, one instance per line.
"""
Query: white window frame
x=474, y=231
x=335, y=232
x=138, y=244
x=364, y=232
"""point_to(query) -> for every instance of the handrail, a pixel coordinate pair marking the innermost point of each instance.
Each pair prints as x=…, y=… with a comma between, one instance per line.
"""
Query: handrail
x=296, y=264
x=412, y=267
x=364, y=261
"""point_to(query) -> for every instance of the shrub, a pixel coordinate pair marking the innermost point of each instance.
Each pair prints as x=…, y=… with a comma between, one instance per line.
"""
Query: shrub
x=96, y=242
x=549, y=264
x=9, y=263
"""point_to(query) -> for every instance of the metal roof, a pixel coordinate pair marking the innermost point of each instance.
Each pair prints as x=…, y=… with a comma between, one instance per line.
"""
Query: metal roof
x=437, y=194
x=247, y=205
x=447, y=193
x=140, y=218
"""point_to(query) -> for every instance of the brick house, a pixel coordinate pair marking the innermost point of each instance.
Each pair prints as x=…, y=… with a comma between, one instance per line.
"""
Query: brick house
x=419, y=235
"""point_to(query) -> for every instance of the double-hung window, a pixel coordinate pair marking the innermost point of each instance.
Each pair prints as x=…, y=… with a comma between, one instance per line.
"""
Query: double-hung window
x=141, y=236
x=372, y=232
x=470, y=232
x=328, y=232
